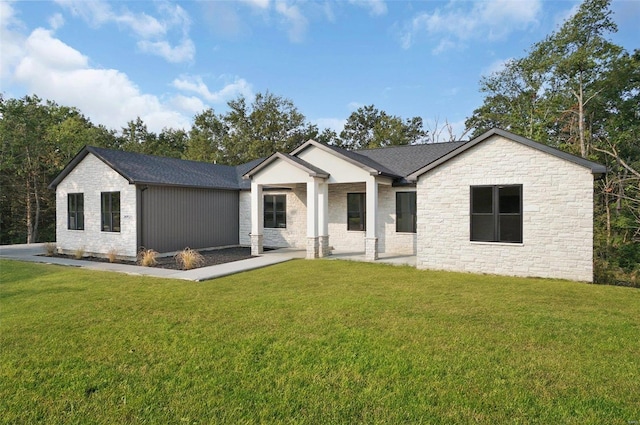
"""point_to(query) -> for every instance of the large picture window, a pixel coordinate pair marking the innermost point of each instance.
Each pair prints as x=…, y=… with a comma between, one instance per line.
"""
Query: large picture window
x=110, y=211
x=75, y=208
x=356, y=211
x=496, y=213
x=406, y=212
x=275, y=211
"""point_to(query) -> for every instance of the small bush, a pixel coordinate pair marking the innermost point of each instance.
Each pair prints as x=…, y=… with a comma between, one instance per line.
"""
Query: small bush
x=49, y=249
x=112, y=255
x=147, y=257
x=78, y=253
x=188, y=259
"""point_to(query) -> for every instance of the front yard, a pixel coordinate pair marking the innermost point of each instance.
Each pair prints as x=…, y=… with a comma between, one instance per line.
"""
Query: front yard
x=315, y=342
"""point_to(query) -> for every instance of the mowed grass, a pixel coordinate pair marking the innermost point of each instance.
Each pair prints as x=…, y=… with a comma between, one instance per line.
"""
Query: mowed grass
x=315, y=342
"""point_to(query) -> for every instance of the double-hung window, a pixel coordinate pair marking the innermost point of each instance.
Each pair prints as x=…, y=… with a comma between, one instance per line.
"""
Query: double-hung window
x=496, y=213
x=275, y=211
x=356, y=211
x=110, y=211
x=75, y=209
x=406, y=212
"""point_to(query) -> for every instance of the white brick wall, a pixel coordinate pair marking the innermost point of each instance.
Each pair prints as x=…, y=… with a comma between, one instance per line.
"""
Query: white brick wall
x=557, y=214
x=294, y=235
x=91, y=177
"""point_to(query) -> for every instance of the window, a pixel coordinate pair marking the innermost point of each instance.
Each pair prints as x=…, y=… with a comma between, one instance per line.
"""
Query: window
x=406, y=212
x=356, y=211
x=275, y=211
x=75, y=209
x=110, y=211
x=496, y=213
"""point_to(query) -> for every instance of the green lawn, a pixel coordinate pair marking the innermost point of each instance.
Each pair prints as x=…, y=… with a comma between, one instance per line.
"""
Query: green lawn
x=315, y=342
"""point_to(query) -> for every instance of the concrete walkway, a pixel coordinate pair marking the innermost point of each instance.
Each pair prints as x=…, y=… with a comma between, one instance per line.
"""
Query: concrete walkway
x=33, y=253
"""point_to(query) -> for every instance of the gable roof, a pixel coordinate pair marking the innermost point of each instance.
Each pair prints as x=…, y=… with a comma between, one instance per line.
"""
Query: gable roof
x=140, y=168
x=303, y=165
x=593, y=166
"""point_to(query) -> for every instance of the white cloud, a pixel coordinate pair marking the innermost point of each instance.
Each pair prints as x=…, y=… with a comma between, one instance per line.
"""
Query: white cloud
x=12, y=48
x=297, y=22
x=459, y=22
x=260, y=4
x=376, y=7
x=180, y=53
x=495, y=66
x=56, y=21
x=195, y=84
x=56, y=71
x=191, y=104
x=352, y=106
x=335, y=124
x=151, y=31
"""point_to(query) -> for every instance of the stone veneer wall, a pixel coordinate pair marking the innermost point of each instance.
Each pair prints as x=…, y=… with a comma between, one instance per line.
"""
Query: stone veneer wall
x=294, y=235
x=557, y=214
x=91, y=177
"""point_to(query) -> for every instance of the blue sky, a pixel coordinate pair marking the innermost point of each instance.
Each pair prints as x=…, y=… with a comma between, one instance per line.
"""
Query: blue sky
x=167, y=61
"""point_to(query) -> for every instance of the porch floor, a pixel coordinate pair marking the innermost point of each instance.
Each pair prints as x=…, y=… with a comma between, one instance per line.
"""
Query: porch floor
x=386, y=258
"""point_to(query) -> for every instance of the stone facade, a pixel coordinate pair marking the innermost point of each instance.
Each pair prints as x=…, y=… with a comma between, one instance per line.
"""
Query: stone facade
x=557, y=199
x=91, y=177
x=294, y=235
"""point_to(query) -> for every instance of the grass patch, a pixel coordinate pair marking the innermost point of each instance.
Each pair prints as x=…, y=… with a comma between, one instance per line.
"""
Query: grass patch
x=147, y=257
x=315, y=342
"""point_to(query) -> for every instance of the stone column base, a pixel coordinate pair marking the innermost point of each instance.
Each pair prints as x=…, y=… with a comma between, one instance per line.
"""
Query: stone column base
x=256, y=244
x=313, y=248
x=371, y=249
x=323, y=241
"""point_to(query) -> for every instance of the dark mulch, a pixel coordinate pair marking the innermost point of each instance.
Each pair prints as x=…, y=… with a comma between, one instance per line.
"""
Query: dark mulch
x=211, y=258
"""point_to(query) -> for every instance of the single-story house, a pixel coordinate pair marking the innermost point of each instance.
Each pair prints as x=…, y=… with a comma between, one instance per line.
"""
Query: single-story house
x=499, y=203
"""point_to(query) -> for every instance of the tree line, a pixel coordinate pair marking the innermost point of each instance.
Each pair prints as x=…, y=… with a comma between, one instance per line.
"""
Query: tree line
x=574, y=90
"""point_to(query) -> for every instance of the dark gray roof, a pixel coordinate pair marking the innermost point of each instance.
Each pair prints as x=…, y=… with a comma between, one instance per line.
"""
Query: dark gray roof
x=365, y=160
x=596, y=169
x=157, y=170
x=403, y=160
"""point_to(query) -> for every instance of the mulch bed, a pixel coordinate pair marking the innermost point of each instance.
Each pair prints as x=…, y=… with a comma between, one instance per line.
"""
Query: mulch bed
x=211, y=258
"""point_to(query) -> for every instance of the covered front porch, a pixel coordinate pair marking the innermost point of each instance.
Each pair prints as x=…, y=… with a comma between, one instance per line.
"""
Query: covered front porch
x=314, y=171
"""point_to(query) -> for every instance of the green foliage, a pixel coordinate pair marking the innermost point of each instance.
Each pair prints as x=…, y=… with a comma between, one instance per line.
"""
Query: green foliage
x=577, y=91
x=314, y=342
x=369, y=127
x=37, y=139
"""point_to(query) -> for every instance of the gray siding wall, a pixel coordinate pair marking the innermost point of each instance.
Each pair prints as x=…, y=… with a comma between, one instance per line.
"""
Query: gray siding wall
x=173, y=218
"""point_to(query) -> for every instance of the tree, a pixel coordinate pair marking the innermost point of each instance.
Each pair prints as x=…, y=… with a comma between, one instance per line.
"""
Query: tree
x=206, y=138
x=38, y=139
x=369, y=127
x=270, y=124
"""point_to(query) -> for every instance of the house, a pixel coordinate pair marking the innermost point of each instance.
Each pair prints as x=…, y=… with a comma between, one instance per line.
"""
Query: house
x=499, y=203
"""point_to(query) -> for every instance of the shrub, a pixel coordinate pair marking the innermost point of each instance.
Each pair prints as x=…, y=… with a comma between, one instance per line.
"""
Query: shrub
x=49, y=249
x=147, y=257
x=78, y=253
x=188, y=259
x=112, y=255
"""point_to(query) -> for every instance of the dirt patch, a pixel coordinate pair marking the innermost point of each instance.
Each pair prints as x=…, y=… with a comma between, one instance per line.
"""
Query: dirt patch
x=211, y=258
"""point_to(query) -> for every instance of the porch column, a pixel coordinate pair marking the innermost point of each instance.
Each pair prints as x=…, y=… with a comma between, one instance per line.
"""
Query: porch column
x=312, y=219
x=257, y=218
x=371, y=239
x=323, y=219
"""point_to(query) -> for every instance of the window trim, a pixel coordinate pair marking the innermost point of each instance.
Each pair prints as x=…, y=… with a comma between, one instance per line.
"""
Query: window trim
x=496, y=214
x=75, y=213
x=361, y=213
x=274, y=199
x=113, y=215
x=413, y=211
